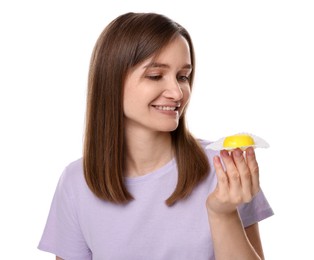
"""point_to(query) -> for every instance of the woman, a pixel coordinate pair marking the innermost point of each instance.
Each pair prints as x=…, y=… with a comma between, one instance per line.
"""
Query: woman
x=145, y=187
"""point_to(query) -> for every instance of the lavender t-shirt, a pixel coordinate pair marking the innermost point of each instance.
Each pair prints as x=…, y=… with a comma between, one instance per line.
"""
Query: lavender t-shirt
x=80, y=226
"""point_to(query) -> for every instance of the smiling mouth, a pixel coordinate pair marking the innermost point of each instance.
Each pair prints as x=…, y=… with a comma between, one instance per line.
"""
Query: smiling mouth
x=167, y=108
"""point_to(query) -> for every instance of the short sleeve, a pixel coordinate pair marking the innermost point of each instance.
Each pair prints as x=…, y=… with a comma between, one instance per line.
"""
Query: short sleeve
x=62, y=235
x=256, y=210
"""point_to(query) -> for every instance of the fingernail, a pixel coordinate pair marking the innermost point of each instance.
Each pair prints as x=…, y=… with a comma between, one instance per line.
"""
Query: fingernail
x=224, y=153
x=238, y=152
x=250, y=151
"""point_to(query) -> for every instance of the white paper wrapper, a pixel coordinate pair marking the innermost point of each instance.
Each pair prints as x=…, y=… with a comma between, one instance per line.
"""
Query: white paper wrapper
x=258, y=143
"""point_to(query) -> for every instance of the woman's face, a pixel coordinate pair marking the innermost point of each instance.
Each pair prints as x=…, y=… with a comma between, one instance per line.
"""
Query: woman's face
x=157, y=90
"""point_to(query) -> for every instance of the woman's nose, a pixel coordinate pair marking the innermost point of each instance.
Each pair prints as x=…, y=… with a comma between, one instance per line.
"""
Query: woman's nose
x=173, y=90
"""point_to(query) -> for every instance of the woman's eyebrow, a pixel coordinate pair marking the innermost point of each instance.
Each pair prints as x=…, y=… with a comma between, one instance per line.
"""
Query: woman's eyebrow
x=156, y=65
x=162, y=65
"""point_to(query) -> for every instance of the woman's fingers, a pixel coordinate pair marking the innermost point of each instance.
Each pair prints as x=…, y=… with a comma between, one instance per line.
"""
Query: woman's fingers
x=223, y=182
x=234, y=177
x=238, y=179
x=245, y=174
x=254, y=169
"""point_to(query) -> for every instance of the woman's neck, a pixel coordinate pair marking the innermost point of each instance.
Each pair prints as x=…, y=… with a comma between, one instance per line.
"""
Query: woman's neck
x=147, y=152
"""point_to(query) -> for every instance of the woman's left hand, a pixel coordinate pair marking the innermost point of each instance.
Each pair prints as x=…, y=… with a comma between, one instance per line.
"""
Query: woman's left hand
x=238, y=183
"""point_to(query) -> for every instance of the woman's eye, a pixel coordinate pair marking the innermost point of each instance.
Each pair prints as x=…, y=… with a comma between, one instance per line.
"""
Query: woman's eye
x=154, y=77
x=184, y=78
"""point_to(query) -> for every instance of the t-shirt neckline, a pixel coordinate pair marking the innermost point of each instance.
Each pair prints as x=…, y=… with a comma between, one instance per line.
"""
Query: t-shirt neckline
x=151, y=175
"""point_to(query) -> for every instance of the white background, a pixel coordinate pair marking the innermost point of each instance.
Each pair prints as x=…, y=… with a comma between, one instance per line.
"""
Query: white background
x=255, y=71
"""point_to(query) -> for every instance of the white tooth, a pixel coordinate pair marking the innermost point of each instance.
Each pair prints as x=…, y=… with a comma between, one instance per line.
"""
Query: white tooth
x=165, y=108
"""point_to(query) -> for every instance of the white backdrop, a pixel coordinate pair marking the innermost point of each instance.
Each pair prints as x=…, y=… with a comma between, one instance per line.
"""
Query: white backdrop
x=255, y=71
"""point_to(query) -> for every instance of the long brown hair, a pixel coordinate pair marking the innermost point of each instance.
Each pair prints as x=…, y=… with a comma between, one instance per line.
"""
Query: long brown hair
x=128, y=40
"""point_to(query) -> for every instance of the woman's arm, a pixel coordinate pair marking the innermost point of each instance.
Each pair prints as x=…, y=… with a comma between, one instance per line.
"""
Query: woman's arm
x=238, y=182
x=230, y=239
x=58, y=258
x=252, y=233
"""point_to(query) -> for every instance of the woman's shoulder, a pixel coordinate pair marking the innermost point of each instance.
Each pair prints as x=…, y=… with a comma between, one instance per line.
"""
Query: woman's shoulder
x=75, y=166
x=73, y=173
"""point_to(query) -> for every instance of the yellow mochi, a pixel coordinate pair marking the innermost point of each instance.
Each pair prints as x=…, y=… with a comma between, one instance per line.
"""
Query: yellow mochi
x=239, y=140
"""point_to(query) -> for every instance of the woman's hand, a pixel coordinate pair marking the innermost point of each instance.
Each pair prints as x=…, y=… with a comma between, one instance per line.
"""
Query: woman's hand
x=237, y=183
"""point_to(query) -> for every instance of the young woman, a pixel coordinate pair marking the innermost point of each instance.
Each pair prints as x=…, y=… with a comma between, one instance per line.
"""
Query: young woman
x=145, y=187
